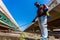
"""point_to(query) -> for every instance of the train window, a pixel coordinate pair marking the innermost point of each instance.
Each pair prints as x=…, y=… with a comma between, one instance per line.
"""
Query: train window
x=4, y=19
x=0, y=16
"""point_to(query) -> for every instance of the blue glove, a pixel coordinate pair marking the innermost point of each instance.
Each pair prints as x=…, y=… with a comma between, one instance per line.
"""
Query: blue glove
x=48, y=16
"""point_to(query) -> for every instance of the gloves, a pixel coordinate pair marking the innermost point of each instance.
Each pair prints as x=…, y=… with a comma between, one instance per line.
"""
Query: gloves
x=48, y=15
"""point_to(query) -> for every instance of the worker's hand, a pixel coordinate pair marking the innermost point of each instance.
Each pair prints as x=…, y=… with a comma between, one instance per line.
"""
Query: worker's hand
x=48, y=17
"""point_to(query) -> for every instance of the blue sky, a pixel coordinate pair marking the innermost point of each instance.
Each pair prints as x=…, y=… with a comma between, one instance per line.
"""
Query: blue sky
x=23, y=11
